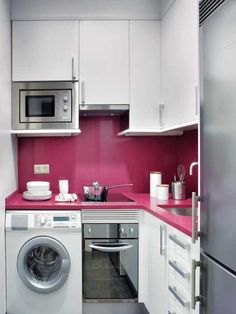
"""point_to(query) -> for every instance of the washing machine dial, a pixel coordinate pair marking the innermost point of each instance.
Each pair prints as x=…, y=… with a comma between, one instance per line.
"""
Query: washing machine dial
x=43, y=220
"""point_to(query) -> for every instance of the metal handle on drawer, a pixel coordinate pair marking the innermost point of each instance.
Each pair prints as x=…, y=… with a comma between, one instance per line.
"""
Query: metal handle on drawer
x=195, y=233
x=194, y=298
x=177, y=241
x=169, y=312
x=183, y=273
x=73, y=68
x=180, y=299
x=162, y=247
x=161, y=110
x=83, y=92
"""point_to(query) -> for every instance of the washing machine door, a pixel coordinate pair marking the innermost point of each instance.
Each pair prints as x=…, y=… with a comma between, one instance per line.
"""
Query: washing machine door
x=43, y=264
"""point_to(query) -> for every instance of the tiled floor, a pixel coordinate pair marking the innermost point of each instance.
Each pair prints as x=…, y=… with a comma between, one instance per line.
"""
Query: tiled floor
x=114, y=308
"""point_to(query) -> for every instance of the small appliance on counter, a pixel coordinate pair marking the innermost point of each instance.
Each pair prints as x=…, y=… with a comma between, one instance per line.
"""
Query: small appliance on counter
x=37, y=191
x=98, y=193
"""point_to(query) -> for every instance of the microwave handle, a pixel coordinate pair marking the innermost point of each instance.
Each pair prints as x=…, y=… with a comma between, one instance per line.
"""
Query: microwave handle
x=111, y=248
x=73, y=69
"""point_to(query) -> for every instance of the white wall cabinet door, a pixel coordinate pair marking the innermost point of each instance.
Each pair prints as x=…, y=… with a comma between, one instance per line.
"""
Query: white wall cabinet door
x=104, y=62
x=45, y=50
x=144, y=74
x=180, y=62
x=157, y=294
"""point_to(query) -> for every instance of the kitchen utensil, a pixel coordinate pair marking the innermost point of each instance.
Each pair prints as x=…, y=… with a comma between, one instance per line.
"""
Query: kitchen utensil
x=178, y=190
x=181, y=171
x=98, y=193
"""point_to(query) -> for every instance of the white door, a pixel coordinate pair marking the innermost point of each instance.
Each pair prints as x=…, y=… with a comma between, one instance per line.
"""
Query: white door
x=157, y=295
x=145, y=64
x=104, y=62
x=45, y=50
x=180, y=62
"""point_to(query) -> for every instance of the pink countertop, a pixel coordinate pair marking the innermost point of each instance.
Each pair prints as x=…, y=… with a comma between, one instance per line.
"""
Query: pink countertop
x=141, y=201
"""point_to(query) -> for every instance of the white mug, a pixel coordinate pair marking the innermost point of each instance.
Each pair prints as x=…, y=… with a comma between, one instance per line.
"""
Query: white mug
x=63, y=186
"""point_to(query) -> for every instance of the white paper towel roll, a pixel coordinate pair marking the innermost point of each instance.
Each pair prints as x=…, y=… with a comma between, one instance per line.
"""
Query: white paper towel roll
x=155, y=179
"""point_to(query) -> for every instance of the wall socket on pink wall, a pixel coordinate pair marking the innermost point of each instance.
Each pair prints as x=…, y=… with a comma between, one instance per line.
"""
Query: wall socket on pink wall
x=41, y=169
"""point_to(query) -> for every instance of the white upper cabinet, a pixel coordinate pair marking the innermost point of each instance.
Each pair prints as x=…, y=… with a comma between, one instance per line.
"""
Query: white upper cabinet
x=104, y=62
x=180, y=63
x=144, y=74
x=45, y=50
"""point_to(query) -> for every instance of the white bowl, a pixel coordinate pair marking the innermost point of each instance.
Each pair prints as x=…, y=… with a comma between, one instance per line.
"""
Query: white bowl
x=38, y=187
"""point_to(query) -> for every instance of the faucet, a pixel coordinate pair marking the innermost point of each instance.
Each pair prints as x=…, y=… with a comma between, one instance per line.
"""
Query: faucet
x=193, y=164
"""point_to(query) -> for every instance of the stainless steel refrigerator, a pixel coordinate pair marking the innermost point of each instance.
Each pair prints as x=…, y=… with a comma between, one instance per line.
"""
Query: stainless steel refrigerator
x=218, y=159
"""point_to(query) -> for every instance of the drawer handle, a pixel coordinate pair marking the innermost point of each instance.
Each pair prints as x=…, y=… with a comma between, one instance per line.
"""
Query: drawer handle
x=177, y=241
x=169, y=312
x=183, y=273
x=173, y=290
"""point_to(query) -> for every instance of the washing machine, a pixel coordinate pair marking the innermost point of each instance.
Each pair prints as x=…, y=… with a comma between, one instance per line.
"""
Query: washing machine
x=43, y=262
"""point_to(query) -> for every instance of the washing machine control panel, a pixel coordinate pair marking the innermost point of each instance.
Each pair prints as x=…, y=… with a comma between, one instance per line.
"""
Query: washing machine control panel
x=57, y=220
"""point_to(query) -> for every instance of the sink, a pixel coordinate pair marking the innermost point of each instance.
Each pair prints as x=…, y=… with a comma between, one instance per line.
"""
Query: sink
x=180, y=211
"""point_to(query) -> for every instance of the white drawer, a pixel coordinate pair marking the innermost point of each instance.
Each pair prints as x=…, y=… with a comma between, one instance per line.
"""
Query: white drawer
x=180, y=244
x=172, y=308
x=180, y=270
x=178, y=295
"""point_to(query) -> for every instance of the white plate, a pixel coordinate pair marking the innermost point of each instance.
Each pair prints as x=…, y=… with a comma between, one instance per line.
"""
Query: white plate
x=31, y=197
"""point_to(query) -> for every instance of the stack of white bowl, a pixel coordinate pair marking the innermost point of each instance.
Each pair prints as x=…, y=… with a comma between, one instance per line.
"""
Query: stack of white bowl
x=38, y=190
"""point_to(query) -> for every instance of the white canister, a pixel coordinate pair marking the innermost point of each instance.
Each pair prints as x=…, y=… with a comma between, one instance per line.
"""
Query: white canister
x=163, y=192
x=155, y=179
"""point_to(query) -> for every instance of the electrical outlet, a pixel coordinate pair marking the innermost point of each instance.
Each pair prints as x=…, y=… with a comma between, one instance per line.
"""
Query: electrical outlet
x=41, y=169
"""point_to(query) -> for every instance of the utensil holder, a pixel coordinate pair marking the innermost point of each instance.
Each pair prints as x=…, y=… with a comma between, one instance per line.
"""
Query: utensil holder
x=178, y=190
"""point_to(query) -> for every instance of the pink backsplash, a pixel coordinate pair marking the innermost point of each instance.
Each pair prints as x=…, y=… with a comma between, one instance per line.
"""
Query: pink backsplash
x=99, y=154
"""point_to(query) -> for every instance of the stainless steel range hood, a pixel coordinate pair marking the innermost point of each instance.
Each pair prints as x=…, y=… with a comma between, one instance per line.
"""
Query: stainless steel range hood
x=103, y=110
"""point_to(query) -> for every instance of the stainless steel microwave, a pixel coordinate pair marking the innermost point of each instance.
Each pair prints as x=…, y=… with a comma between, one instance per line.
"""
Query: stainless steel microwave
x=45, y=105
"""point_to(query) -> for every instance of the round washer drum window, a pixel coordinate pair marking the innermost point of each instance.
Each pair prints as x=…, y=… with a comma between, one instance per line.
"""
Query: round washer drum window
x=43, y=264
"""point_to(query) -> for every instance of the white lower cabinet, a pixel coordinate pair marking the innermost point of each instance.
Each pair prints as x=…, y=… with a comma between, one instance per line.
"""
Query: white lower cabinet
x=167, y=267
x=156, y=265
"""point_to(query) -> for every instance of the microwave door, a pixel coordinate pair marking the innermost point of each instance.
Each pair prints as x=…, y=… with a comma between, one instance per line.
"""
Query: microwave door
x=45, y=106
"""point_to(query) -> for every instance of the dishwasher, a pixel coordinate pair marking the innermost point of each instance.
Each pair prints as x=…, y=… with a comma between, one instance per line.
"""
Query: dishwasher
x=110, y=257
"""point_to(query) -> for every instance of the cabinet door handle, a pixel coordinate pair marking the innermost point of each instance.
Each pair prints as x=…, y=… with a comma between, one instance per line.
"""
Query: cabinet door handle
x=161, y=111
x=178, y=242
x=182, y=301
x=73, y=69
x=195, y=233
x=196, y=100
x=194, y=298
x=176, y=267
x=83, y=92
x=162, y=236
